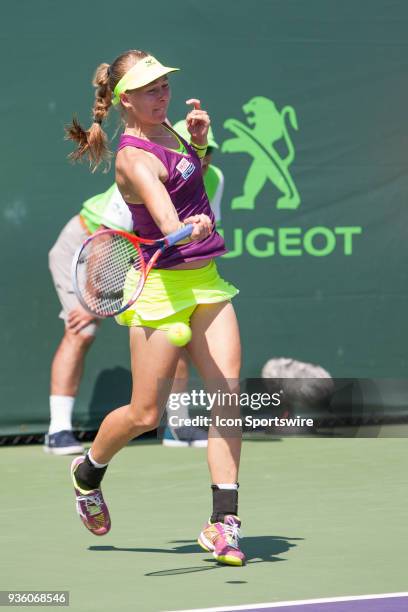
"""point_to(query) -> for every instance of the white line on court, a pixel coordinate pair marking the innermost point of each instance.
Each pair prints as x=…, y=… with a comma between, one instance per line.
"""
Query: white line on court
x=297, y=602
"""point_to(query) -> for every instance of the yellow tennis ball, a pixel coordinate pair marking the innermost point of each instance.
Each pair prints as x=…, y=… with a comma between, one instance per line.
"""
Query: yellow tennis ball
x=179, y=334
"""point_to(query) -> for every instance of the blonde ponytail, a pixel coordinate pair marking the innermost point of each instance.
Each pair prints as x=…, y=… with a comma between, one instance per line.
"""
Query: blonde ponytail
x=93, y=143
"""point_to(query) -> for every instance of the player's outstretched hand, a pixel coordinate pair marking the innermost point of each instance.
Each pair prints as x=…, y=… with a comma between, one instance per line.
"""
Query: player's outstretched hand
x=202, y=226
x=78, y=318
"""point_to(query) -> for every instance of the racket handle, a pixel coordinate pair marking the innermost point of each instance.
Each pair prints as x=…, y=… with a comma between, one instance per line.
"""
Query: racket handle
x=180, y=234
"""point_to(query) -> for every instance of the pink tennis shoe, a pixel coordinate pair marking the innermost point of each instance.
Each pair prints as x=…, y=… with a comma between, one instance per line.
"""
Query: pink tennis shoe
x=222, y=539
x=90, y=505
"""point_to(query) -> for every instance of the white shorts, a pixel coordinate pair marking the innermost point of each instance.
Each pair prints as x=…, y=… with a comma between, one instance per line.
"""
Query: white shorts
x=60, y=258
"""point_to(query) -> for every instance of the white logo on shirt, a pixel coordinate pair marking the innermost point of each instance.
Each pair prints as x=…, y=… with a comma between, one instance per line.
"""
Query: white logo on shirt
x=186, y=168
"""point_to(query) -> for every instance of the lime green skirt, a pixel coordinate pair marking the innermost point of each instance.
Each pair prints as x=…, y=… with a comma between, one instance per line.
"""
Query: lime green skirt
x=171, y=296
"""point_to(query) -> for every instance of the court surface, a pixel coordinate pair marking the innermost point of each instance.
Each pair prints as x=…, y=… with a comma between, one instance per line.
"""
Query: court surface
x=322, y=518
x=393, y=602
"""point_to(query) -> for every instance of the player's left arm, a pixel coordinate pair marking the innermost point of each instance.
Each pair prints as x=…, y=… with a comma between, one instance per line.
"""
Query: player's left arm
x=198, y=123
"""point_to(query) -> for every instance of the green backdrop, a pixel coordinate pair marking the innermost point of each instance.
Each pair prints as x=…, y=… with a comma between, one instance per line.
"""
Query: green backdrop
x=309, y=101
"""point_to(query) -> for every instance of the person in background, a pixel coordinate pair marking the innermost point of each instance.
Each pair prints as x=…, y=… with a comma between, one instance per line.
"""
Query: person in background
x=188, y=435
x=109, y=210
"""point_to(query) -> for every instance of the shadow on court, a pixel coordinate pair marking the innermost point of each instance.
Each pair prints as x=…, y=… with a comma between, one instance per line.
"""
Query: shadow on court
x=258, y=549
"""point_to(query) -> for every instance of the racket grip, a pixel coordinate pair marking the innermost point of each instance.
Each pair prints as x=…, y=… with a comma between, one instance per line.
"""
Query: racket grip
x=180, y=234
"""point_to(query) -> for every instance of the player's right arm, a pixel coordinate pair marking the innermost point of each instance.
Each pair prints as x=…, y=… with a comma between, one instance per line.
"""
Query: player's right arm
x=140, y=177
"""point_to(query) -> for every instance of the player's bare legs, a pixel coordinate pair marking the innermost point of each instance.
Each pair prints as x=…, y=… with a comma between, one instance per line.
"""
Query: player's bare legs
x=149, y=373
x=178, y=433
x=153, y=363
x=181, y=374
x=216, y=351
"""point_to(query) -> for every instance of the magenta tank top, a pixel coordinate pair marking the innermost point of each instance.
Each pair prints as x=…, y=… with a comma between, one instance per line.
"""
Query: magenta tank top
x=186, y=189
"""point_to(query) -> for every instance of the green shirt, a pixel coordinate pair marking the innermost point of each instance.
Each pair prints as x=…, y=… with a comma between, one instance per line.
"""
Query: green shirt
x=214, y=187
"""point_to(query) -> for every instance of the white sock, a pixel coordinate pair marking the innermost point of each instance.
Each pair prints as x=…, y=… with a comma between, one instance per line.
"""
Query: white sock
x=174, y=407
x=61, y=407
x=95, y=463
x=229, y=487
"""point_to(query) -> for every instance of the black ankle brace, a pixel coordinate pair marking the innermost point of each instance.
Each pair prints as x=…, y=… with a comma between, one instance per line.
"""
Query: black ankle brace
x=88, y=476
x=225, y=501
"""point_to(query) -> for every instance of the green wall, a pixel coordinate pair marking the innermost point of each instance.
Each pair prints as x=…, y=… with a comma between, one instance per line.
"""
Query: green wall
x=330, y=296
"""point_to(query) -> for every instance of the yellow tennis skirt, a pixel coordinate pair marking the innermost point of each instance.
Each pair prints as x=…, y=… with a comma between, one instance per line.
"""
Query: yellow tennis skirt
x=171, y=296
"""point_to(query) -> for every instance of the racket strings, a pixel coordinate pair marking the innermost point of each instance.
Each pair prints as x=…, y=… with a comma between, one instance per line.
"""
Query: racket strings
x=103, y=269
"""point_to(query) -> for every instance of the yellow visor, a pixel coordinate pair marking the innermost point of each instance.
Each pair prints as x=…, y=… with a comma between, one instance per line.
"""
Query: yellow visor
x=145, y=71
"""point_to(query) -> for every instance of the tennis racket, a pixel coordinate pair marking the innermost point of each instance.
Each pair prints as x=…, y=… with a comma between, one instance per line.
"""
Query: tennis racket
x=102, y=264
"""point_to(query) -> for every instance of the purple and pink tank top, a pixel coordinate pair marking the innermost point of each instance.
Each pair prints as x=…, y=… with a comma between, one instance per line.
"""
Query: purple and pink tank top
x=186, y=189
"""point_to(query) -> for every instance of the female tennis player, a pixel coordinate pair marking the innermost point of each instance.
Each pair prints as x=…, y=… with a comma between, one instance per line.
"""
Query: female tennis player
x=159, y=176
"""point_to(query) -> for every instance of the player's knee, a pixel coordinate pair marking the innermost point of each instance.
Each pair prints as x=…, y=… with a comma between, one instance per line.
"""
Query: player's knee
x=150, y=421
x=145, y=419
